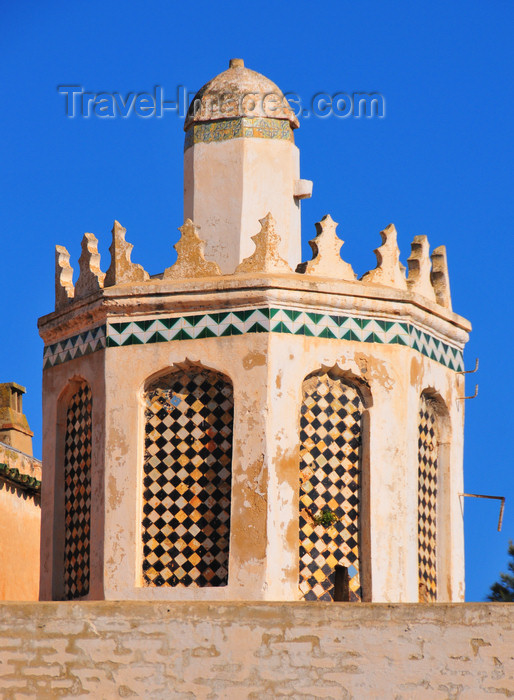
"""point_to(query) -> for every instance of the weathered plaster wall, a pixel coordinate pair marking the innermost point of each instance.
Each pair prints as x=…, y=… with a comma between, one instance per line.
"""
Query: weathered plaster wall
x=20, y=518
x=24, y=463
x=256, y=650
x=20, y=521
x=230, y=185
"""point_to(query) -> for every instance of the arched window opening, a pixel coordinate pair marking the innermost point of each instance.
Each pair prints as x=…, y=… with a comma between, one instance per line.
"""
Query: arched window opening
x=330, y=456
x=77, y=493
x=428, y=447
x=187, y=479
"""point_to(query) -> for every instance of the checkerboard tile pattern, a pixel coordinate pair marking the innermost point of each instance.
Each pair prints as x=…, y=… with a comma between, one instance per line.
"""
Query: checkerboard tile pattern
x=262, y=320
x=187, y=480
x=77, y=494
x=330, y=439
x=427, y=499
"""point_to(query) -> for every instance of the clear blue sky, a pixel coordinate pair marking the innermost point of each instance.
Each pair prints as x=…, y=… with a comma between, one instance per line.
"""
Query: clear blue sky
x=440, y=163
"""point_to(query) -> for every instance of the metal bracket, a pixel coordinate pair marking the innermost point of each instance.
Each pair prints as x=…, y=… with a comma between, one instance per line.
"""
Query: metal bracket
x=469, y=371
x=495, y=498
x=462, y=398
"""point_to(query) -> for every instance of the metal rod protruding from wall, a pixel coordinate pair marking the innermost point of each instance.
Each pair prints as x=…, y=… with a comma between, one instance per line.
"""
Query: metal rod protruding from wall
x=495, y=498
x=470, y=371
x=462, y=398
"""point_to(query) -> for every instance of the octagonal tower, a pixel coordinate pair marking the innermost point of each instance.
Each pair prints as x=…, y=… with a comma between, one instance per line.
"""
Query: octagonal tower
x=237, y=427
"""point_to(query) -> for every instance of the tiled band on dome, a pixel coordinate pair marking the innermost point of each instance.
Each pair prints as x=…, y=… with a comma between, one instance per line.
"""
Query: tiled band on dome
x=427, y=501
x=242, y=127
x=161, y=329
x=330, y=439
x=77, y=494
x=187, y=480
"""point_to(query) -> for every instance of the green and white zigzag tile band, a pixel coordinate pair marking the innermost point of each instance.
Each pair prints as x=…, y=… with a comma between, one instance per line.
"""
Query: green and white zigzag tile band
x=82, y=344
x=263, y=320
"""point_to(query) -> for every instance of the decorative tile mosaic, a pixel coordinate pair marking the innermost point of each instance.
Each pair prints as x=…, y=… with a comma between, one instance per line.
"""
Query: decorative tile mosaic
x=242, y=127
x=427, y=499
x=263, y=320
x=77, y=494
x=187, y=480
x=76, y=346
x=330, y=438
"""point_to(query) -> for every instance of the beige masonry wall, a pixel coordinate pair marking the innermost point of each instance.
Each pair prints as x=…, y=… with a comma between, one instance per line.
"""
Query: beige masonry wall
x=256, y=650
x=229, y=186
x=20, y=518
x=20, y=522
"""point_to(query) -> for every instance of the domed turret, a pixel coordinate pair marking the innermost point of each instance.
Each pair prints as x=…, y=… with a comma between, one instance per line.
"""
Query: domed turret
x=239, y=92
x=240, y=162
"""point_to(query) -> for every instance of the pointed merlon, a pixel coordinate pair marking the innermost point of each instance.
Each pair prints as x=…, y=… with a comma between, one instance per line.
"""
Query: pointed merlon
x=64, y=289
x=121, y=269
x=389, y=271
x=326, y=258
x=190, y=256
x=266, y=257
x=91, y=278
x=439, y=277
x=419, y=268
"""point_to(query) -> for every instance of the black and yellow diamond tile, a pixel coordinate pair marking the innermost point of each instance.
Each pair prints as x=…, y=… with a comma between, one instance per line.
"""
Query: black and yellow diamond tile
x=427, y=500
x=186, y=497
x=330, y=435
x=77, y=494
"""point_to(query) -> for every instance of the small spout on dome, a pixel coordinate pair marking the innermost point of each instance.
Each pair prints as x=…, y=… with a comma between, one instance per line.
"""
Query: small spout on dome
x=236, y=63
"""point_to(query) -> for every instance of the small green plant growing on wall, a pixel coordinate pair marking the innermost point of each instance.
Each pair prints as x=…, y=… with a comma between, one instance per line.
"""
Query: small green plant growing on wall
x=326, y=518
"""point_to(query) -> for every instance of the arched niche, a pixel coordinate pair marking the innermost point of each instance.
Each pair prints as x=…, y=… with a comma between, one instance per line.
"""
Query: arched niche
x=434, y=438
x=187, y=475
x=72, y=492
x=333, y=436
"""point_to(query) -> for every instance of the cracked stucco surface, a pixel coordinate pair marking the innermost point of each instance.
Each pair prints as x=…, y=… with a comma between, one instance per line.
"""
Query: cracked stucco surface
x=256, y=650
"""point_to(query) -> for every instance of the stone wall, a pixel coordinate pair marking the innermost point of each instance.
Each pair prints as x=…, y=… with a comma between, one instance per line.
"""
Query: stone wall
x=256, y=650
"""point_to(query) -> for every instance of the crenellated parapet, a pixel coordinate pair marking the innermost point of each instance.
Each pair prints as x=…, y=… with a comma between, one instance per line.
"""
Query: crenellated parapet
x=419, y=268
x=191, y=260
x=427, y=273
x=122, y=270
x=325, y=297
x=439, y=277
x=266, y=257
x=91, y=278
x=383, y=306
x=64, y=289
x=389, y=270
x=326, y=259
